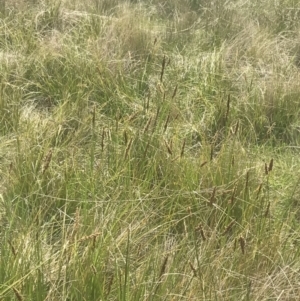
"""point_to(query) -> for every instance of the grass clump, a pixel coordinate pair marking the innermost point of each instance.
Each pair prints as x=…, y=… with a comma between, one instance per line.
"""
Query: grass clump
x=149, y=150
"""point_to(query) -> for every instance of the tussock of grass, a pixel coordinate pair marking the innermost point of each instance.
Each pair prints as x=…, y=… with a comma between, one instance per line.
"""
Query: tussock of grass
x=149, y=150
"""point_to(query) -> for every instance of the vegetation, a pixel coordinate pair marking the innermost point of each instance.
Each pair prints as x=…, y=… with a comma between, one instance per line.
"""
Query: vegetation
x=149, y=150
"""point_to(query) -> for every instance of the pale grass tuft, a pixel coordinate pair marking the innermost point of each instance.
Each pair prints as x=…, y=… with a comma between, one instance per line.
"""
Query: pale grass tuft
x=194, y=97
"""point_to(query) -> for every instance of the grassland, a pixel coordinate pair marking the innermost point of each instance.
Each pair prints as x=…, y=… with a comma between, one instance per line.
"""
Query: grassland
x=149, y=150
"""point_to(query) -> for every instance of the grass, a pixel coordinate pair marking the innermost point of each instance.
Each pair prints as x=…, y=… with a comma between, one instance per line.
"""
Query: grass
x=149, y=150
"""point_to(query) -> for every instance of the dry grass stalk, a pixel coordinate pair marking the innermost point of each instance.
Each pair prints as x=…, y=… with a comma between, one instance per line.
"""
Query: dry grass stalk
x=13, y=250
x=18, y=295
x=175, y=158
x=147, y=125
x=77, y=219
x=193, y=269
x=232, y=160
x=92, y=236
x=76, y=222
x=236, y=127
x=270, y=168
x=169, y=147
x=203, y=163
x=133, y=116
x=182, y=149
x=128, y=148
x=242, y=244
x=109, y=284
x=163, y=65
x=146, y=149
x=212, y=198
x=47, y=161
x=161, y=89
x=228, y=228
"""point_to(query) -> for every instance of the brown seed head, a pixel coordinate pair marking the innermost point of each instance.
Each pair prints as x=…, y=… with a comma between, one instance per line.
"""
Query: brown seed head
x=193, y=269
x=229, y=227
x=270, y=165
x=267, y=211
x=47, y=161
x=182, y=149
x=175, y=91
x=169, y=147
x=242, y=244
x=266, y=169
